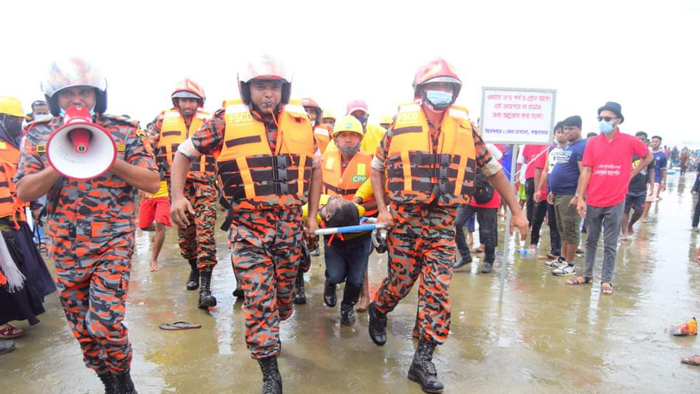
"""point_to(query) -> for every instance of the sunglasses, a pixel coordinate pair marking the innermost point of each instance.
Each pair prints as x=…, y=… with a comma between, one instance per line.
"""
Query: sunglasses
x=605, y=118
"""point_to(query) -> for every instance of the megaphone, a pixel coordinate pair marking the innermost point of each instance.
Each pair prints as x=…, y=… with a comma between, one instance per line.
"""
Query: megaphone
x=80, y=149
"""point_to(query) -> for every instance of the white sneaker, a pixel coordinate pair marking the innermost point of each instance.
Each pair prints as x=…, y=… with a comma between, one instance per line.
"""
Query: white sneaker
x=554, y=263
x=564, y=270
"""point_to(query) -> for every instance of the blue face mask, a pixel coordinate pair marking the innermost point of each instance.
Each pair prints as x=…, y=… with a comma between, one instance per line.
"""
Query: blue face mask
x=440, y=100
x=606, y=127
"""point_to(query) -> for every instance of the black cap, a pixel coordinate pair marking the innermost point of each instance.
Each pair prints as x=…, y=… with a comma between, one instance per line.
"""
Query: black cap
x=613, y=107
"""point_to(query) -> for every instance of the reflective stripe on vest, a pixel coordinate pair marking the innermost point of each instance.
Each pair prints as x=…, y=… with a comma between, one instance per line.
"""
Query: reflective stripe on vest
x=247, y=167
x=173, y=132
x=417, y=172
x=355, y=174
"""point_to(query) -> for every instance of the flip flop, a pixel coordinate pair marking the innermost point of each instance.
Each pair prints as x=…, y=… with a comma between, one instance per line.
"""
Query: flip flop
x=10, y=332
x=607, y=290
x=692, y=360
x=179, y=325
x=576, y=281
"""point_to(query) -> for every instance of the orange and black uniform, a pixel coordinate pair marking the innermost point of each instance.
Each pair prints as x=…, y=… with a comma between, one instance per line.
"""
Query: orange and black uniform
x=264, y=170
x=197, y=241
x=90, y=226
x=429, y=171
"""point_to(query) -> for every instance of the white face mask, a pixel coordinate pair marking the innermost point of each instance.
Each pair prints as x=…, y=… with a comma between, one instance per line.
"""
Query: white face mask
x=41, y=116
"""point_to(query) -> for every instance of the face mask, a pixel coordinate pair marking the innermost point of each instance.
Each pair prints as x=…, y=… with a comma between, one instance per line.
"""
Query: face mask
x=362, y=120
x=14, y=128
x=606, y=127
x=349, y=151
x=313, y=123
x=41, y=116
x=438, y=99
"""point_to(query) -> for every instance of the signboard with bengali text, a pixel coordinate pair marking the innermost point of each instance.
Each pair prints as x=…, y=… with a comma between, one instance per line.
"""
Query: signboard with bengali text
x=517, y=116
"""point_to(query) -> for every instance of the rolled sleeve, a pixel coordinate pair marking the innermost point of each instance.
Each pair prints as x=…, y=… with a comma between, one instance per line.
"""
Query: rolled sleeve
x=138, y=152
x=209, y=139
x=485, y=162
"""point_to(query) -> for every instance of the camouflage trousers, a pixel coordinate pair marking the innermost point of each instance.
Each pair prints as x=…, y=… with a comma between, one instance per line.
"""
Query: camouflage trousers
x=92, y=286
x=421, y=242
x=197, y=240
x=265, y=253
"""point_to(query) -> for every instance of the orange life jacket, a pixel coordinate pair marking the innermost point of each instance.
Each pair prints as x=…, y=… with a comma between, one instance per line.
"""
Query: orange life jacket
x=355, y=174
x=417, y=172
x=173, y=132
x=10, y=205
x=251, y=175
x=323, y=134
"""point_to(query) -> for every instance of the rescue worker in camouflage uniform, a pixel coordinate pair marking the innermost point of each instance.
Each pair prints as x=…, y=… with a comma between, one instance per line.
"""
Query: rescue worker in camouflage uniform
x=425, y=166
x=197, y=243
x=266, y=156
x=90, y=223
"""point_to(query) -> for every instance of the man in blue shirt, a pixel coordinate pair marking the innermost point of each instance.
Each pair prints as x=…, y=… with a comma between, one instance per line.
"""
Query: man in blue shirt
x=563, y=182
x=659, y=184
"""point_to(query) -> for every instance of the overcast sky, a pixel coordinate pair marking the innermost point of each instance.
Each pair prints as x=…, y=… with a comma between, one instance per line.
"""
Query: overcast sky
x=643, y=54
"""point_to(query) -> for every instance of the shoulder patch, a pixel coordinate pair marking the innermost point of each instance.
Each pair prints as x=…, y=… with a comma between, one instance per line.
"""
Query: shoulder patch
x=122, y=120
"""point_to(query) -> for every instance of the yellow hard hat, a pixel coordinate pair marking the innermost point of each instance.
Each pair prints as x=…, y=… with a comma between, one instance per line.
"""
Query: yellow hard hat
x=328, y=114
x=386, y=119
x=11, y=106
x=348, y=123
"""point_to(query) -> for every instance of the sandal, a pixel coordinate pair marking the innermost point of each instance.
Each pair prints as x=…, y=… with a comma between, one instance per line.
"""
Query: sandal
x=692, y=360
x=10, y=332
x=547, y=256
x=578, y=281
x=606, y=289
x=179, y=325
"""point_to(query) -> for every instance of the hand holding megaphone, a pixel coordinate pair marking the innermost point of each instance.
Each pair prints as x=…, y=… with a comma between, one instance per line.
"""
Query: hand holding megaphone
x=80, y=149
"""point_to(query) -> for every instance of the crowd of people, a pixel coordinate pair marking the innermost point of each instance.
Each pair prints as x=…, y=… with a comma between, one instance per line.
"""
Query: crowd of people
x=281, y=169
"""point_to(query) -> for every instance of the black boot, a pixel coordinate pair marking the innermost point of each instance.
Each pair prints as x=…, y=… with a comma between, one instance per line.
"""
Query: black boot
x=423, y=370
x=487, y=267
x=329, y=297
x=347, y=307
x=299, y=291
x=123, y=383
x=193, y=280
x=377, y=325
x=238, y=293
x=272, y=380
x=109, y=382
x=462, y=262
x=205, y=298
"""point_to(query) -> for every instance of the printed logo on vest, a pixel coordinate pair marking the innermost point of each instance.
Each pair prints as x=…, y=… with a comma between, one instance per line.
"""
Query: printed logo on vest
x=359, y=178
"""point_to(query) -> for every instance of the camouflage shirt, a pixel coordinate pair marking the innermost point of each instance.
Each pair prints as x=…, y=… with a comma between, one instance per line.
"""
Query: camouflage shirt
x=82, y=215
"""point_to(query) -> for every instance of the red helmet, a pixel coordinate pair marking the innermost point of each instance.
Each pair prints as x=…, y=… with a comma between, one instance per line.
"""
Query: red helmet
x=188, y=89
x=312, y=105
x=438, y=70
x=355, y=105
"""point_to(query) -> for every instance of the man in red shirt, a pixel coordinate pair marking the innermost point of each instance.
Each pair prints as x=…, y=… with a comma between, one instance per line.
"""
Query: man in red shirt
x=607, y=170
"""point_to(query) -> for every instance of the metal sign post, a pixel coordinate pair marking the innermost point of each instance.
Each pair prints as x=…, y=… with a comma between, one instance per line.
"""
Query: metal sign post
x=516, y=116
